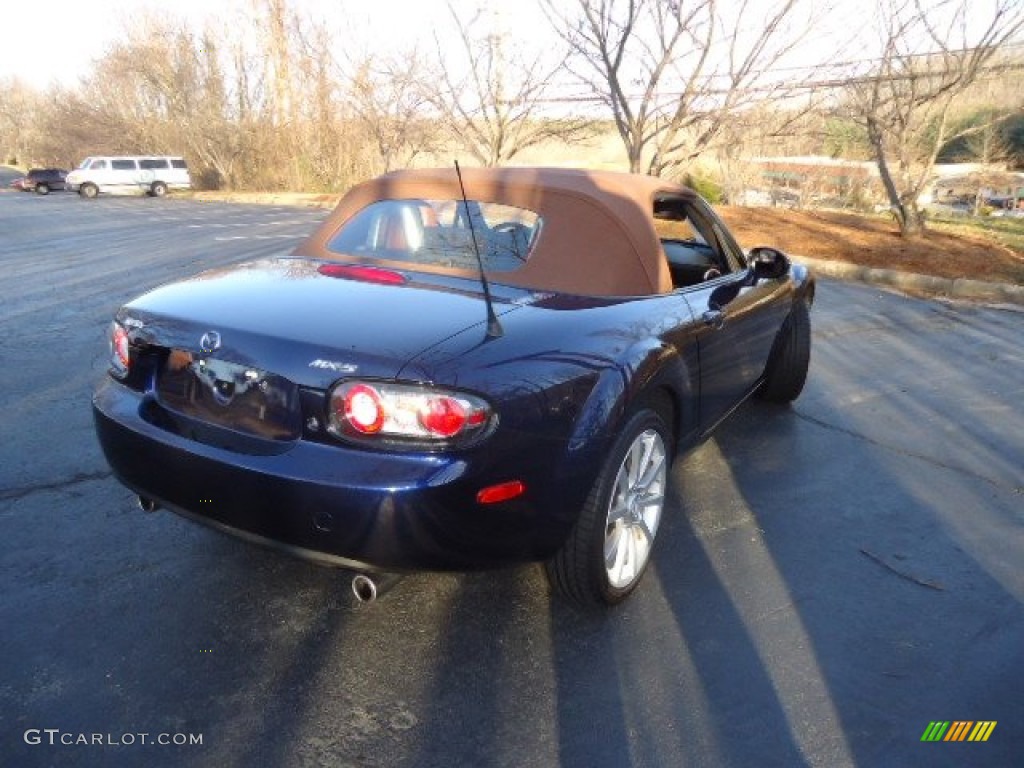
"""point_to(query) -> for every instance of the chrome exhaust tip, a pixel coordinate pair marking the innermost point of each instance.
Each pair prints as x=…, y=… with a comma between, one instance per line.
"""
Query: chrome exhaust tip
x=368, y=587
x=147, y=504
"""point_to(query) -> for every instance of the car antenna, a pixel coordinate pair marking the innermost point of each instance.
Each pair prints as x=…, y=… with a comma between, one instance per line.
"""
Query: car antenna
x=494, y=329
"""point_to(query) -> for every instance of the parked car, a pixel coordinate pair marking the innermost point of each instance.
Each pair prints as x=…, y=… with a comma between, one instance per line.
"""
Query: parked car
x=43, y=180
x=454, y=380
x=150, y=175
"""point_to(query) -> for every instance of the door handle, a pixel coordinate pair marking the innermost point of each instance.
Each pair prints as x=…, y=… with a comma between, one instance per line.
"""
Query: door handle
x=714, y=318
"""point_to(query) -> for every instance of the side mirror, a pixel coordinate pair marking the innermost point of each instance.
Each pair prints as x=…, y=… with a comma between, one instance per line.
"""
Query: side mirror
x=768, y=263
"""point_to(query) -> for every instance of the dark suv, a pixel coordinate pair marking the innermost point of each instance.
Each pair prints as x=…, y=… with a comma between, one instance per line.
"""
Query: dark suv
x=42, y=180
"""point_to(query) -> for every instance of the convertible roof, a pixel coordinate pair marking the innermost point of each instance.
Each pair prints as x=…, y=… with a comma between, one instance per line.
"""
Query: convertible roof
x=598, y=236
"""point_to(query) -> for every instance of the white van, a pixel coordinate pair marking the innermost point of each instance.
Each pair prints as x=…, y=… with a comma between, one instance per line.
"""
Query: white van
x=129, y=174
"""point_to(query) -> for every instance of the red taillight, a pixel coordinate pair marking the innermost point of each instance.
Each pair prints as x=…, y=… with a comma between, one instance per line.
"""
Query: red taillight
x=364, y=410
x=501, y=492
x=443, y=416
x=364, y=273
x=416, y=413
x=120, y=351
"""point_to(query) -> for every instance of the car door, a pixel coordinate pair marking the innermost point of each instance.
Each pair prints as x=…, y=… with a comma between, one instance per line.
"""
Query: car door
x=149, y=171
x=736, y=318
x=100, y=174
x=179, y=177
x=125, y=174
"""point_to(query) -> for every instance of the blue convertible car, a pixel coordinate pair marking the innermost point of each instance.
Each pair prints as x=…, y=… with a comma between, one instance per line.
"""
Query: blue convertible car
x=454, y=372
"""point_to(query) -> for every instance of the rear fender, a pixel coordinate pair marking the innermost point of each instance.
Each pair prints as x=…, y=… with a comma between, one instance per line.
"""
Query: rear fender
x=649, y=370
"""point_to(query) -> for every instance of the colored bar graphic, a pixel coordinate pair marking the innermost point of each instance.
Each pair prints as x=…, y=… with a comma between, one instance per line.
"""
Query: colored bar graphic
x=982, y=730
x=958, y=730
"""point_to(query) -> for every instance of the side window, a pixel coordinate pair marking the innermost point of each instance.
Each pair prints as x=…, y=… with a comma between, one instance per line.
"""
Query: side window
x=153, y=164
x=98, y=165
x=122, y=165
x=692, y=244
x=732, y=254
x=178, y=163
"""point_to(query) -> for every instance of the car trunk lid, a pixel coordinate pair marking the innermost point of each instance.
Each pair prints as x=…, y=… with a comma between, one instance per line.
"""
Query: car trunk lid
x=237, y=347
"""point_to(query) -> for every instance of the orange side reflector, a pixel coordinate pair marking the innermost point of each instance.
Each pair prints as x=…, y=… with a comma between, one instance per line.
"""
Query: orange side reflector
x=501, y=492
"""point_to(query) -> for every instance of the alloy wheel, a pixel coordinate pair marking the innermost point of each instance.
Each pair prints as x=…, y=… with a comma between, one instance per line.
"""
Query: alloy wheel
x=634, y=509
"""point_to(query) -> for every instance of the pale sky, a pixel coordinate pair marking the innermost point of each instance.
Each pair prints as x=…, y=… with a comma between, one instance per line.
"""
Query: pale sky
x=47, y=41
x=56, y=41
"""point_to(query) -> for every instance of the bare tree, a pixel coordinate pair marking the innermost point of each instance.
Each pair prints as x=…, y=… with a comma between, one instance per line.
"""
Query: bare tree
x=391, y=101
x=277, y=21
x=165, y=88
x=21, y=113
x=492, y=93
x=758, y=131
x=672, y=73
x=217, y=128
x=988, y=145
x=323, y=150
x=127, y=102
x=905, y=103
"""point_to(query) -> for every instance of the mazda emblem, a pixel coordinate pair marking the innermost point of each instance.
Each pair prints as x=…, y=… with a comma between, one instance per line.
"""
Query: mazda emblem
x=209, y=341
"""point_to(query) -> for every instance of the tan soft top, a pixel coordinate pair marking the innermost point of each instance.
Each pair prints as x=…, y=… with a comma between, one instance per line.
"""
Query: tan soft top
x=598, y=236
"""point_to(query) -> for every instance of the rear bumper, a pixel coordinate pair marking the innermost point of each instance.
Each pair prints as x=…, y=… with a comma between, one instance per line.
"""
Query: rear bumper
x=340, y=505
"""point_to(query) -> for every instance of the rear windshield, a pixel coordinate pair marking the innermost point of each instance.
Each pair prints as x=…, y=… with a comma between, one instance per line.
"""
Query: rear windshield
x=437, y=233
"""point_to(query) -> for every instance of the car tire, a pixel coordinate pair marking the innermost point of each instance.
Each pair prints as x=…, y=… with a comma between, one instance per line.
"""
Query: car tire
x=158, y=189
x=610, y=546
x=790, y=357
x=89, y=191
x=42, y=189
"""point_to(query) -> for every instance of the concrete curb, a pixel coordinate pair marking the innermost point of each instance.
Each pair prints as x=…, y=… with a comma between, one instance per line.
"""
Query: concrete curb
x=911, y=282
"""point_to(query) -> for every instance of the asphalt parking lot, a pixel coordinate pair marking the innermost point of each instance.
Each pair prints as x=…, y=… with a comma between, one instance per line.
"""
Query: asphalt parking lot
x=829, y=579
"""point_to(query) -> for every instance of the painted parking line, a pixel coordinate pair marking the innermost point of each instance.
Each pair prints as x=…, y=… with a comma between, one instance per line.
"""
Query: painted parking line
x=254, y=237
x=250, y=224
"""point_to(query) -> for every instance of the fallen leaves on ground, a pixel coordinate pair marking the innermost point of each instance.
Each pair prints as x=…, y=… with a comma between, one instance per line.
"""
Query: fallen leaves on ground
x=873, y=241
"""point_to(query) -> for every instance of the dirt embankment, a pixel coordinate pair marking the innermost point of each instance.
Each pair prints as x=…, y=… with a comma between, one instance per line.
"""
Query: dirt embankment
x=874, y=242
